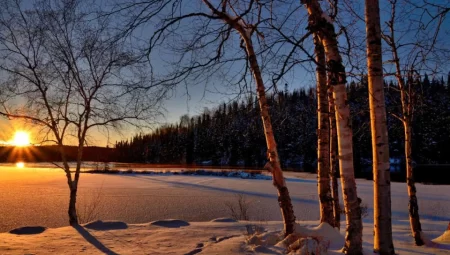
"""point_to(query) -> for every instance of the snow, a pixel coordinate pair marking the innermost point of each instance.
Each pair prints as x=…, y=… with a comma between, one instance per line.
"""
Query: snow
x=32, y=230
x=395, y=161
x=135, y=208
x=224, y=219
x=224, y=173
x=170, y=223
x=205, y=237
x=106, y=225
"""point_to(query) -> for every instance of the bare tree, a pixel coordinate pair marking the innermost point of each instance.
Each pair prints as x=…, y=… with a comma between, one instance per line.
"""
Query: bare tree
x=299, y=56
x=333, y=159
x=380, y=146
x=246, y=31
x=323, y=135
x=416, y=45
x=321, y=23
x=209, y=50
x=65, y=71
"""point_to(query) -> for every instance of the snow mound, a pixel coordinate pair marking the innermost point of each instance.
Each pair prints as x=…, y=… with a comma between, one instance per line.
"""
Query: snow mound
x=260, y=249
x=229, y=246
x=309, y=245
x=34, y=230
x=223, y=220
x=330, y=235
x=444, y=238
x=265, y=239
x=170, y=223
x=106, y=225
x=304, y=241
x=315, y=240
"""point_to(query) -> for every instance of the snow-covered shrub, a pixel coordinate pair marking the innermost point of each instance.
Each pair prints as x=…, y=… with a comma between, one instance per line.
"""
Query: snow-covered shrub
x=239, y=208
x=89, y=205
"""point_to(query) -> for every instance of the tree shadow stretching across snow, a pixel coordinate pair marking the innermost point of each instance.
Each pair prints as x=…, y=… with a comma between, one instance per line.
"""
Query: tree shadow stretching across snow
x=404, y=215
x=300, y=180
x=199, y=186
x=412, y=250
x=92, y=240
x=28, y=230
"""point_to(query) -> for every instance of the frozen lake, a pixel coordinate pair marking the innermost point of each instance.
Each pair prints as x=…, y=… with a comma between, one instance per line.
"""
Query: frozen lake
x=39, y=196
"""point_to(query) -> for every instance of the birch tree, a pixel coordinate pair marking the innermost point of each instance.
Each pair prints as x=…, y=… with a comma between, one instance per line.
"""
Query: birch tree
x=299, y=56
x=209, y=50
x=246, y=31
x=380, y=146
x=320, y=23
x=323, y=135
x=66, y=72
x=333, y=159
x=409, y=57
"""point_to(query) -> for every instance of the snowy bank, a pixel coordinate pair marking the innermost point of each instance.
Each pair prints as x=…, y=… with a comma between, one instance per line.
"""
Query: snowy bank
x=249, y=174
x=218, y=236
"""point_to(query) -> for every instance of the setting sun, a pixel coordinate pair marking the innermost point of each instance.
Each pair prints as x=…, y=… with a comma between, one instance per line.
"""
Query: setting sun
x=20, y=165
x=21, y=138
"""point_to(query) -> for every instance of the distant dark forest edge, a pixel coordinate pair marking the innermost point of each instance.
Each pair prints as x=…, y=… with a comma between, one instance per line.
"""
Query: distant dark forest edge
x=232, y=135
x=51, y=153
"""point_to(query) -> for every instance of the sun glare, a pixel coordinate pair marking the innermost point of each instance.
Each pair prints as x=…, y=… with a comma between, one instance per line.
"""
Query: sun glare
x=21, y=138
x=20, y=165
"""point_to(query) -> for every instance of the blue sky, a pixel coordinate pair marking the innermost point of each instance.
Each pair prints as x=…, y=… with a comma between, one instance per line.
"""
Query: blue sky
x=192, y=96
x=179, y=104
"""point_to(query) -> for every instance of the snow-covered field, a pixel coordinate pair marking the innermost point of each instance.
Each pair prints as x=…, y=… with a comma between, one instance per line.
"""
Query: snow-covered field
x=30, y=197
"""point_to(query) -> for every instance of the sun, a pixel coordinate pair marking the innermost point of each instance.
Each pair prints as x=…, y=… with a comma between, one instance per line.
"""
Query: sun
x=21, y=138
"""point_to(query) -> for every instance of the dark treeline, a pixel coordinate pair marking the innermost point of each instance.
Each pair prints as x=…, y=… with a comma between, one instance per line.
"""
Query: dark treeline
x=50, y=153
x=232, y=134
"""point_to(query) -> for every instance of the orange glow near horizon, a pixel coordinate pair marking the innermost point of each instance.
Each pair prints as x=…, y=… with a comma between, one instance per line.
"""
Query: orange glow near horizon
x=21, y=138
x=20, y=165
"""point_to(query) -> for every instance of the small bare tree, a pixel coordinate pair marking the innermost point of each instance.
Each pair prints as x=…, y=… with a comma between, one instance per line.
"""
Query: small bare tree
x=241, y=211
x=416, y=45
x=66, y=71
x=88, y=209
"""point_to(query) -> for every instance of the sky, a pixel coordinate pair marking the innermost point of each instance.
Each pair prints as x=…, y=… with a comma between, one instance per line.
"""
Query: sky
x=191, y=98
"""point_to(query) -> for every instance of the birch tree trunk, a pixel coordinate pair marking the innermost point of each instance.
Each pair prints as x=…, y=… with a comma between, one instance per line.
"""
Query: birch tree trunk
x=353, y=238
x=319, y=22
x=274, y=166
x=284, y=199
x=333, y=160
x=323, y=135
x=413, y=206
x=72, y=210
x=406, y=118
x=380, y=146
x=73, y=217
x=414, y=219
